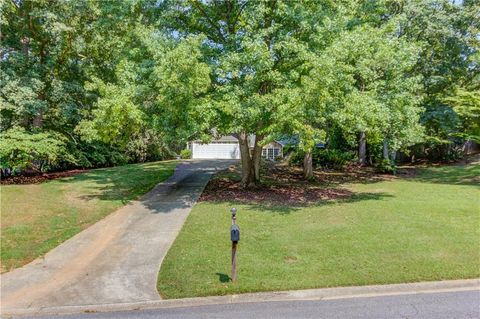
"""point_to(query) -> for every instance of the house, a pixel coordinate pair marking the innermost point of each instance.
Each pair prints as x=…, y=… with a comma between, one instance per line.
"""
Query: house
x=227, y=147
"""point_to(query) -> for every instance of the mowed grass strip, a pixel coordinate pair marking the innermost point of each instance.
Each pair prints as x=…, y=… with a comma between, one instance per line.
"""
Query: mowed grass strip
x=403, y=230
x=36, y=218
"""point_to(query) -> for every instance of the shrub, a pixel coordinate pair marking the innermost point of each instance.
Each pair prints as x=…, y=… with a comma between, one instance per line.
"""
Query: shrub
x=331, y=158
x=74, y=157
x=386, y=167
x=436, y=149
x=102, y=155
x=296, y=158
x=326, y=158
x=157, y=149
x=20, y=150
x=137, y=149
x=185, y=154
x=288, y=148
x=147, y=146
x=48, y=151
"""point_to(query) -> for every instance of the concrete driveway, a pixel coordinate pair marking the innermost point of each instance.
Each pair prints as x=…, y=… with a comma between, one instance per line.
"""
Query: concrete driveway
x=117, y=259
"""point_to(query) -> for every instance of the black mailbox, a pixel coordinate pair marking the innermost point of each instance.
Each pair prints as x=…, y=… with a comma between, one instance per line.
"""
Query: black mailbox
x=235, y=233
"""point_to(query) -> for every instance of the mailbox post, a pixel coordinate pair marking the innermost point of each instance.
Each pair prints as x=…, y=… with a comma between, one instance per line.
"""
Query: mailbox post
x=235, y=237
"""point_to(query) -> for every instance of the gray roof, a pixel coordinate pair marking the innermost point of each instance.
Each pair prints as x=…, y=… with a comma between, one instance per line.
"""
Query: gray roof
x=226, y=138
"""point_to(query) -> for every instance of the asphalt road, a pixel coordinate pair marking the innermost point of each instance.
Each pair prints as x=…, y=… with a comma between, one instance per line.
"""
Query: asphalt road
x=464, y=304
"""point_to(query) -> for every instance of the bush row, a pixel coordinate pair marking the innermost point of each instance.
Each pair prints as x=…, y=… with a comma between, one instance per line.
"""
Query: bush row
x=324, y=158
x=22, y=151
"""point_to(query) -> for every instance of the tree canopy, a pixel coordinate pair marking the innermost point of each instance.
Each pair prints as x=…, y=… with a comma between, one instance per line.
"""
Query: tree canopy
x=120, y=81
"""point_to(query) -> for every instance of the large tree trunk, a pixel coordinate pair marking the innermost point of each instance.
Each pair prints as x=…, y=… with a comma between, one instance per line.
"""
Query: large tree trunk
x=257, y=156
x=246, y=160
x=250, y=162
x=362, y=148
x=385, y=149
x=308, y=165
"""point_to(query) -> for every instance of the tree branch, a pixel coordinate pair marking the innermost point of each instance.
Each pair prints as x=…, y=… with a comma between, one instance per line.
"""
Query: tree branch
x=235, y=20
x=199, y=6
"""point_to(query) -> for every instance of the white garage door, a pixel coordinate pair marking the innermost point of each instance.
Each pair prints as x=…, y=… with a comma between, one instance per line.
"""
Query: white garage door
x=219, y=150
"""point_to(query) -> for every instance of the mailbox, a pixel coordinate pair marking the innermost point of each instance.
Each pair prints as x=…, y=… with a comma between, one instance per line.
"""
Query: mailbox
x=235, y=233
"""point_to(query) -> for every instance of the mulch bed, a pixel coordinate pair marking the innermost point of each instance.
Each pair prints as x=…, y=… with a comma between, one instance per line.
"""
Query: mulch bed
x=352, y=173
x=227, y=190
x=39, y=178
x=283, y=186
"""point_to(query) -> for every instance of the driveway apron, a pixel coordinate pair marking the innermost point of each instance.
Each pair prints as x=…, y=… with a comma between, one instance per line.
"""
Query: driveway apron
x=117, y=259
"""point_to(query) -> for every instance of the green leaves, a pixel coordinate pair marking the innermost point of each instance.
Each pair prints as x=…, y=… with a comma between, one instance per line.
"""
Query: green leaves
x=379, y=94
x=466, y=103
x=117, y=71
x=115, y=118
x=22, y=150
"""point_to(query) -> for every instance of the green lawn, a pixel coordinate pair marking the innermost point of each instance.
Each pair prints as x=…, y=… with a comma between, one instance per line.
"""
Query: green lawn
x=420, y=228
x=36, y=218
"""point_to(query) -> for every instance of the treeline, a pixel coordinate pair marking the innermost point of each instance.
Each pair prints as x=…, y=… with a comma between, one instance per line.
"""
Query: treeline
x=98, y=83
x=57, y=60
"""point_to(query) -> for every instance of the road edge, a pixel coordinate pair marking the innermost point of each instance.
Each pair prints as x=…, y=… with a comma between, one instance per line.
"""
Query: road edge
x=292, y=295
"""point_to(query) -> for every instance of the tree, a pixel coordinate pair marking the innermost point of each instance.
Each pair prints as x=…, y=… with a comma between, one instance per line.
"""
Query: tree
x=36, y=82
x=170, y=104
x=376, y=96
x=257, y=54
x=466, y=104
x=51, y=49
x=314, y=106
x=131, y=77
x=447, y=34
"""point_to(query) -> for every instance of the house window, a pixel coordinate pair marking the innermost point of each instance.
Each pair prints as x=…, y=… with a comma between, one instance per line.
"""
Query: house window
x=270, y=153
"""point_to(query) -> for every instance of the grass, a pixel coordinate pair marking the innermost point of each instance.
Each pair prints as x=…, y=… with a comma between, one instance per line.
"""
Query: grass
x=36, y=218
x=420, y=228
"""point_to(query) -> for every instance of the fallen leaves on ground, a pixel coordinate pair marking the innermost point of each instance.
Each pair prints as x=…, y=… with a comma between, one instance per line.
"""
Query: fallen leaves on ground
x=39, y=178
x=228, y=190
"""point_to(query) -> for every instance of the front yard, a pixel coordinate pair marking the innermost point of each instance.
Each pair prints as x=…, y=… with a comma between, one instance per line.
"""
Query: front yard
x=36, y=218
x=339, y=233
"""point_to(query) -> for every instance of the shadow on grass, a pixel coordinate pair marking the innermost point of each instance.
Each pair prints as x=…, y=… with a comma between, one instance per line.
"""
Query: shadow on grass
x=122, y=183
x=284, y=209
x=126, y=183
x=453, y=175
x=293, y=175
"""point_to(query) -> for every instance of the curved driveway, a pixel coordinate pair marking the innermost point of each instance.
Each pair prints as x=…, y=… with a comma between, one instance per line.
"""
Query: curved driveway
x=117, y=259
